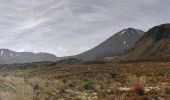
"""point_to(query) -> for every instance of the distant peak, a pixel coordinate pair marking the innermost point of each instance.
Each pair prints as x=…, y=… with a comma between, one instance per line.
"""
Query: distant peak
x=4, y=49
x=131, y=30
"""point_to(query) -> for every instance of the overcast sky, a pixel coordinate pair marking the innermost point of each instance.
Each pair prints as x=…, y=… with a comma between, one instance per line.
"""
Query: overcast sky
x=68, y=27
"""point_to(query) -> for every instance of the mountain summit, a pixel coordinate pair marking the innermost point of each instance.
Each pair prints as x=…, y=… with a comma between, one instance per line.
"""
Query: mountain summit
x=117, y=44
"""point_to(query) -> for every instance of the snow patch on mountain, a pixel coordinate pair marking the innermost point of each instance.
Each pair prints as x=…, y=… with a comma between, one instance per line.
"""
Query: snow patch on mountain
x=123, y=32
x=11, y=54
x=2, y=52
x=124, y=42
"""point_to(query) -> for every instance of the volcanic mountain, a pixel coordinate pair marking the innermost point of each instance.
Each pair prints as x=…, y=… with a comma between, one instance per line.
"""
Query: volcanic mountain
x=117, y=44
x=10, y=57
x=155, y=43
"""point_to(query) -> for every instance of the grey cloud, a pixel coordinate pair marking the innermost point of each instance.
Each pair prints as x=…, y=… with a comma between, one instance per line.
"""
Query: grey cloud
x=68, y=27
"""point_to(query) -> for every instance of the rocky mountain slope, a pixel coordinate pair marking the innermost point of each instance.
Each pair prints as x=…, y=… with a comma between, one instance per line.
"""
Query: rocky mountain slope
x=155, y=43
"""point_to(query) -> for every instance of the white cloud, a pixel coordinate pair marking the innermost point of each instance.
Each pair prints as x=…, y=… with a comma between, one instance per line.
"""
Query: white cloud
x=21, y=50
x=30, y=24
x=59, y=48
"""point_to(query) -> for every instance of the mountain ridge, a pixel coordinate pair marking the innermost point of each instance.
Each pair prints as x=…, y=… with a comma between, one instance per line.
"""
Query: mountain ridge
x=8, y=57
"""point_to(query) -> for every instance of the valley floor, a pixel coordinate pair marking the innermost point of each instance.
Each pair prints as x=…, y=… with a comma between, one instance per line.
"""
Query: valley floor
x=111, y=81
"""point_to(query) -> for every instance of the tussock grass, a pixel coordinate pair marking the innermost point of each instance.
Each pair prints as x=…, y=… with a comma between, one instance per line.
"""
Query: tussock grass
x=15, y=89
x=137, y=84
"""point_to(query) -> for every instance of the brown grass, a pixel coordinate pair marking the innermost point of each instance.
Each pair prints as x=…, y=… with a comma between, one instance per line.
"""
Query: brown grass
x=87, y=82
